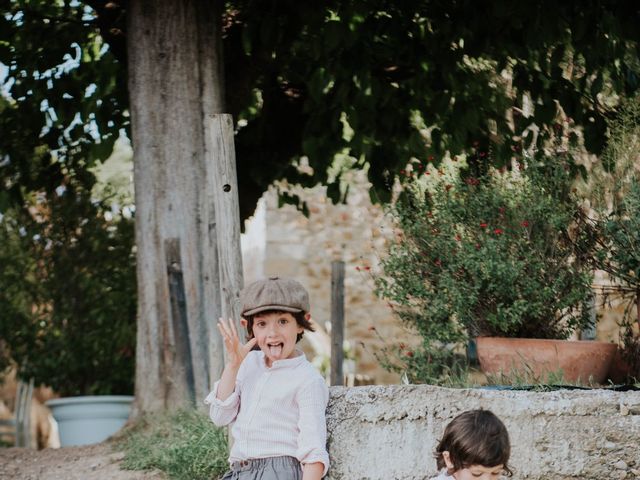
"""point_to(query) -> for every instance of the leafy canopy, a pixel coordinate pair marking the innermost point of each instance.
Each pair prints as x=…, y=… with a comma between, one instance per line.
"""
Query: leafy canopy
x=379, y=80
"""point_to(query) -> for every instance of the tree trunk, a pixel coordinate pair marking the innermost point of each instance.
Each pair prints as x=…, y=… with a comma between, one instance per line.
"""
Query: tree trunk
x=175, y=80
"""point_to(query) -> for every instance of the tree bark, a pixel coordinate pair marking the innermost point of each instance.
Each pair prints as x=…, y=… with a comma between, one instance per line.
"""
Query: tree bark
x=175, y=79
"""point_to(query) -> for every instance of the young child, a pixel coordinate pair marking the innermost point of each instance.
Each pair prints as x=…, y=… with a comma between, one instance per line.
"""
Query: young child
x=475, y=446
x=274, y=397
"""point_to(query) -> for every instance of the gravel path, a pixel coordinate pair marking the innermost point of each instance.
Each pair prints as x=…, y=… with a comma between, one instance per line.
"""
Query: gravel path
x=98, y=462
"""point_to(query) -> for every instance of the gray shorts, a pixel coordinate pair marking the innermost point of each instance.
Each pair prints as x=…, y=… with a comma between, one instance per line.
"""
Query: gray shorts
x=272, y=468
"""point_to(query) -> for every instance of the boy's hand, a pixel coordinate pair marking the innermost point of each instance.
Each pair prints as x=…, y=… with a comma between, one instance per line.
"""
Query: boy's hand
x=235, y=350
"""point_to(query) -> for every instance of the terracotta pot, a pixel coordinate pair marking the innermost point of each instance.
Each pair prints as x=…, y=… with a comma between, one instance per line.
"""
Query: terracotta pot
x=619, y=370
x=532, y=357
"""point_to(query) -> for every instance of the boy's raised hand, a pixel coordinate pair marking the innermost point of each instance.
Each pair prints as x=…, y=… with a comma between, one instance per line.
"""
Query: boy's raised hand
x=235, y=350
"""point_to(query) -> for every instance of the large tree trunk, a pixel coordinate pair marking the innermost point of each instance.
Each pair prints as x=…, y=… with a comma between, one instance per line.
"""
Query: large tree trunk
x=174, y=83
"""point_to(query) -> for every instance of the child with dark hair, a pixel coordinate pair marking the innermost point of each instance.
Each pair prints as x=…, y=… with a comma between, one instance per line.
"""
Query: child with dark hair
x=475, y=446
x=271, y=395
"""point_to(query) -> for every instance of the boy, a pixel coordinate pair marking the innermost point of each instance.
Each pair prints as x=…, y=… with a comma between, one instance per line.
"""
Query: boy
x=273, y=396
x=475, y=446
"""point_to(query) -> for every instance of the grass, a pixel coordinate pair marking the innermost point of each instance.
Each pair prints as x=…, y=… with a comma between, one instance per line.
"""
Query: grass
x=525, y=377
x=522, y=375
x=184, y=445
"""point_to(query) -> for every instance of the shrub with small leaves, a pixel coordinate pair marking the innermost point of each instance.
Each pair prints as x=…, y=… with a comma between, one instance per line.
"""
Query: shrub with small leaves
x=619, y=222
x=68, y=293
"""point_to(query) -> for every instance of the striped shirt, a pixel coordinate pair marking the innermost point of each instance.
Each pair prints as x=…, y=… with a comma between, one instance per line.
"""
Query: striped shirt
x=275, y=411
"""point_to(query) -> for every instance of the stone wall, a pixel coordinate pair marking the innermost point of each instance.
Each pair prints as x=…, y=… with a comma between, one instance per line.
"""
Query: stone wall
x=390, y=432
x=610, y=311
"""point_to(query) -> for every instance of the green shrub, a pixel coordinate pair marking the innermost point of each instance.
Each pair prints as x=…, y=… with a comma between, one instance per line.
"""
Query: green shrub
x=617, y=187
x=68, y=292
x=185, y=445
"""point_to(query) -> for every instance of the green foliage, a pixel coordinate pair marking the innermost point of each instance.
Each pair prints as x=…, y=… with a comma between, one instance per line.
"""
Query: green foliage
x=498, y=255
x=404, y=79
x=377, y=65
x=621, y=231
x=431, y=362
x=526, y=378
x=67, y=293
x=185, y=445
x=67, y=282
x=64, y=96
x=618, y=195
x=630, y=351
x=619, y=222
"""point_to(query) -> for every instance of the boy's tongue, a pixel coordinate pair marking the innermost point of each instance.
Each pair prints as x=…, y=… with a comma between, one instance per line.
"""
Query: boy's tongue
x=275, y=350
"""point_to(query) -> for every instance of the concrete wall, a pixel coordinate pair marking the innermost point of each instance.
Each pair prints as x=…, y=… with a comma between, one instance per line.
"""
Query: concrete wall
x=390, y=432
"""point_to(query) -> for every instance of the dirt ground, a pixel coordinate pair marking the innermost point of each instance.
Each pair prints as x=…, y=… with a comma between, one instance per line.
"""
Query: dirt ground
x=71, y=463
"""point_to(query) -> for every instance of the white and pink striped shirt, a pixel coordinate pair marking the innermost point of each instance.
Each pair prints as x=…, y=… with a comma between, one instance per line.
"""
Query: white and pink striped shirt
x=275, y=411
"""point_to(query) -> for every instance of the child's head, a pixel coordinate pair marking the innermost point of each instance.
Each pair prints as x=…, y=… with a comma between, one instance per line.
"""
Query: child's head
x=475, y=445
x=276, y=298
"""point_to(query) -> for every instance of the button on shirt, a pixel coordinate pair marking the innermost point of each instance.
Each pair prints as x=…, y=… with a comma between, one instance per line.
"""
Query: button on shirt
x=275, y=411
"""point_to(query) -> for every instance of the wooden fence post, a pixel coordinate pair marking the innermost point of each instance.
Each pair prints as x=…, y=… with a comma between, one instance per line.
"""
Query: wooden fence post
x=220, y=158
x=181, y=348
x=337, y=322
x=221, y=162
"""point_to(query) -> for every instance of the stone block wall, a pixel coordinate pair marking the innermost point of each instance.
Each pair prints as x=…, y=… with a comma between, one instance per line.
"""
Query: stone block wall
x=390, y=432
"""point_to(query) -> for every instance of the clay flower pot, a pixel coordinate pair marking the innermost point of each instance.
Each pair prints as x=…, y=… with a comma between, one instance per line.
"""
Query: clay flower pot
x=582, y=361
x=619, y=370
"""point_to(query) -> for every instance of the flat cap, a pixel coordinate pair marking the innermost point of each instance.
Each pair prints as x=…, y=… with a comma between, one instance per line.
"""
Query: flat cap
x=274, y=293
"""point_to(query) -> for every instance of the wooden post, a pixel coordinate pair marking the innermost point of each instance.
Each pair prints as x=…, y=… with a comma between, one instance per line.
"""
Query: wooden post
x=590, y=332
x=638, y=306
x=337, y=322
x=181, y=348
x=221, y=163
x=220, y=157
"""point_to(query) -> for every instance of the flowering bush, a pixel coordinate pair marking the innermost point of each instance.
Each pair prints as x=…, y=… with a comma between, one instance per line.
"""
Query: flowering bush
x=500, y=255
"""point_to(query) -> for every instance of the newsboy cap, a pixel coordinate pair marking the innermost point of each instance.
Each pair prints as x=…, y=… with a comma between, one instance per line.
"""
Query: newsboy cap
x=274, y=293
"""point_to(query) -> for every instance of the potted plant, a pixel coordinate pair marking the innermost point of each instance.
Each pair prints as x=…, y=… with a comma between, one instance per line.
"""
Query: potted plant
x=68, y=302
x=494, y=256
